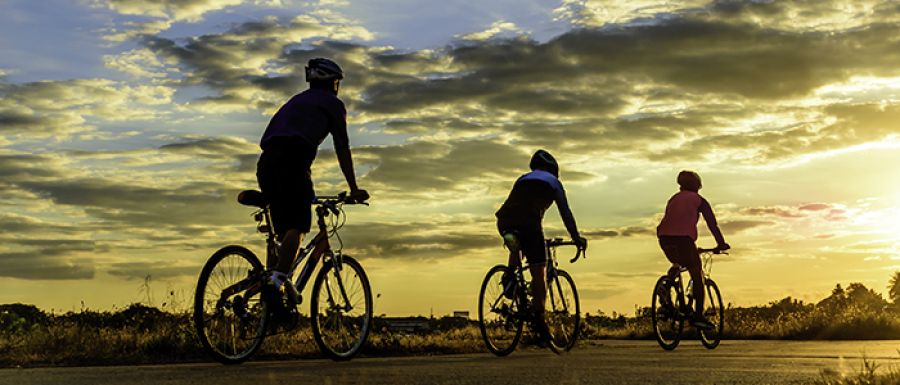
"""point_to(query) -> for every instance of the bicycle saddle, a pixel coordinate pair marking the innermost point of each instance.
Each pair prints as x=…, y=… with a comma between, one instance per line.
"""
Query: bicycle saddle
x=252, y=198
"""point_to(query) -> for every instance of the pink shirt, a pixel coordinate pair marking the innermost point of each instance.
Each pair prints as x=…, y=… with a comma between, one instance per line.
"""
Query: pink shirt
x=682, y=214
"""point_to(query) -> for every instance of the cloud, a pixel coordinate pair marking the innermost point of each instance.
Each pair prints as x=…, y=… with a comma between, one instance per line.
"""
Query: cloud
x=620, y=232
x=738, y=226
x=175, y=9
x=46, y=259
x=156, y=270
x=687, y=83
x=62, y=108
x=497, y=28
x=427, y=240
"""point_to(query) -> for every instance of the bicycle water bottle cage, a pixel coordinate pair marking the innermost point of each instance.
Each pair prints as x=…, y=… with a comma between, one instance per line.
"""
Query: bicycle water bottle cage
x=511, y=241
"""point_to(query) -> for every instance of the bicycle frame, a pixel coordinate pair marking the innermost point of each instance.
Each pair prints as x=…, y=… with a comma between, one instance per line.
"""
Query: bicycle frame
x=550, y=246
x=706, y=265
x=315, y=249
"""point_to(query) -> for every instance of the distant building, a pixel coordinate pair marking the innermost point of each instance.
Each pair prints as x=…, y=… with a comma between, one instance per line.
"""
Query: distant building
x=461, y=314
x=407, y=325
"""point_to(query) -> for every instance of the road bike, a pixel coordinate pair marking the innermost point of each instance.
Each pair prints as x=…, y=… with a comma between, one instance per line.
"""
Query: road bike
x=503, y=310
x=236, y=307
x=670, y=308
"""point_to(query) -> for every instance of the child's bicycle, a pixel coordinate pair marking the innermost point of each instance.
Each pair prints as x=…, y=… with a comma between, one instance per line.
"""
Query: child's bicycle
x=235, y=307
x=502, y=311
x=669, y=311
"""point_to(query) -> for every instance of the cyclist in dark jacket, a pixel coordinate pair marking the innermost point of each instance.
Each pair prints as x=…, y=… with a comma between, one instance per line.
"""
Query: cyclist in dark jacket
x=521, y=215
x=289, y=146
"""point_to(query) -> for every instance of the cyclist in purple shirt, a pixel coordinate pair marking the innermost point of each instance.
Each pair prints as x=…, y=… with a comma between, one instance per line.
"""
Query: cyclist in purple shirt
x=289, y=146
x=521, y=216
x=677, y=234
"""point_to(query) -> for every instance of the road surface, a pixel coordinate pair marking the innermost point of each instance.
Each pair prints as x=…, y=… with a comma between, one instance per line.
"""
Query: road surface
x=597, y=362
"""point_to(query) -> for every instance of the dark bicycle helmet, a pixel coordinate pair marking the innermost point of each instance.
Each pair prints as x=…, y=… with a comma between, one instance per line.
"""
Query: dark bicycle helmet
x=323, y=69
x=689, y=180
x=544, y=161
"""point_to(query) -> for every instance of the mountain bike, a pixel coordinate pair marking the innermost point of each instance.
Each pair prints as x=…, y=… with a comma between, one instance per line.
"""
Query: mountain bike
x=669, y=310
x=503, y=310
x=236, y=307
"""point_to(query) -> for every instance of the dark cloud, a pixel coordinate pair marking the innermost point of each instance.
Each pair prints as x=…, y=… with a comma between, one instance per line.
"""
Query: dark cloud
x=156, y=270
x=737, y=226
x=573, y=92
x=211, y=146
x=195, y=204
x=47, y=259
x=18, y=166
x=419, y=240
x=771, y=211
x=428, y=167
x=620, y=232
x=814, y=207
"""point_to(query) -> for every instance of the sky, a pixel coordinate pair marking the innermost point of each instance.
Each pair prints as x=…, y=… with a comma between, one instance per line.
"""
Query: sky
x=127, y=128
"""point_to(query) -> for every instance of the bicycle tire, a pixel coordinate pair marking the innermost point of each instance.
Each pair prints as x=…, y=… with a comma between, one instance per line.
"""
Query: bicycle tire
x=563, y=324
x=217, y=319
x=715, y=313
x=498, y=318
x=664, y=312
x=330, y=323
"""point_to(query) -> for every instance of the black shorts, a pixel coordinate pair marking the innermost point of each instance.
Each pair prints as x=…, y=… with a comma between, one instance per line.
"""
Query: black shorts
x=286, y=182
x=681, y=250
x=531, y=242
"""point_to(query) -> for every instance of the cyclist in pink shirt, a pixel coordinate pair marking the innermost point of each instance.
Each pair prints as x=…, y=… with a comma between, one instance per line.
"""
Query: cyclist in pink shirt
x=677, y=234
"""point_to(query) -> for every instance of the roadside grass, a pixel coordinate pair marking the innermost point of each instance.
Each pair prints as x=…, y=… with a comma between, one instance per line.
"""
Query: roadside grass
x=140, y=334
x=868, y=374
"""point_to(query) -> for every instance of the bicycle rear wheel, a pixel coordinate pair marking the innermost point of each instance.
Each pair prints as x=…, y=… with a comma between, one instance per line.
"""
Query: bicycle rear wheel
x=341, y=308
x=229, y=317
x=715, y=313
x=564, y=316
x=498, y=316
x=667, y=322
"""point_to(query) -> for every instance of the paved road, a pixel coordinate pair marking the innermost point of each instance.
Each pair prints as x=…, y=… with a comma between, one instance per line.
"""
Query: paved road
x=604, y=362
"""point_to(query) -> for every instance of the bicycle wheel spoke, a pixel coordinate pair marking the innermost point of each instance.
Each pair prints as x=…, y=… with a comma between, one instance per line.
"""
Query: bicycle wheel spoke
x=564, y=316
x=342, y=307
x=715, y=313
x=500, y=325
x=666, y=321
x=230, y=327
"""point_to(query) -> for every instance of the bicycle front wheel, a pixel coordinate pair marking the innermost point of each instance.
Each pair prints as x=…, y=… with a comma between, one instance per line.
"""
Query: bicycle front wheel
x=715, y=313
x=229, y=317
x=499, y=315
x=664, y=313
x=341, y=308
x=564, y=316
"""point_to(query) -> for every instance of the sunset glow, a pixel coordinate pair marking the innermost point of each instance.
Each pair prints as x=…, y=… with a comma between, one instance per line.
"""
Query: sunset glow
x=128, y=127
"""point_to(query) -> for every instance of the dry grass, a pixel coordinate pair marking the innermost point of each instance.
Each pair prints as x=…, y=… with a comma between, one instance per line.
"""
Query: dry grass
x=142, y=334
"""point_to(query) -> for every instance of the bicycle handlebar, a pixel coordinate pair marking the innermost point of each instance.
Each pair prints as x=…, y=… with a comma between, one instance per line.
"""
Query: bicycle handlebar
x=554, y=242
x=714, y=250
x=334, y=199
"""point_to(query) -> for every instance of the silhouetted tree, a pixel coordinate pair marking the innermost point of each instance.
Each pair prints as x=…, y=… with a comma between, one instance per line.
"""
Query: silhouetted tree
x=894, y=289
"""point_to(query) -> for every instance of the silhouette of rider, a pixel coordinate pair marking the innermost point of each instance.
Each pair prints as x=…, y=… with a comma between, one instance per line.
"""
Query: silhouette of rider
x=677, y=234
x=289, y=146
x=522, y=214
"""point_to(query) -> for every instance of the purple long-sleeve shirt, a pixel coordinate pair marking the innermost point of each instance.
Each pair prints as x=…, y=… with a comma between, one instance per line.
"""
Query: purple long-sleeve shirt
x=682, y=214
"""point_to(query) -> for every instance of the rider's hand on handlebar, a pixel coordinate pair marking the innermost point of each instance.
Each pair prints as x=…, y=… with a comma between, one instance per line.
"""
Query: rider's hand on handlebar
x=358, y=195
x=581, y=242
x=722, y=246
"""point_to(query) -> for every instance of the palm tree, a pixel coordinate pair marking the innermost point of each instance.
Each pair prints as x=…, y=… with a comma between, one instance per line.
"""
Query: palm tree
x=894, y=289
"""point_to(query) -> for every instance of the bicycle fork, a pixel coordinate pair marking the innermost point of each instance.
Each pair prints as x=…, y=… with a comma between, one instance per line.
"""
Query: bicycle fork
x=337, y=263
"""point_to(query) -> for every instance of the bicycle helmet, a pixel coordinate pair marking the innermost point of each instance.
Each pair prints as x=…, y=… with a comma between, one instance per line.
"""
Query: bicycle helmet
x=689, y=180
x=323, y=69
x=544, y=161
